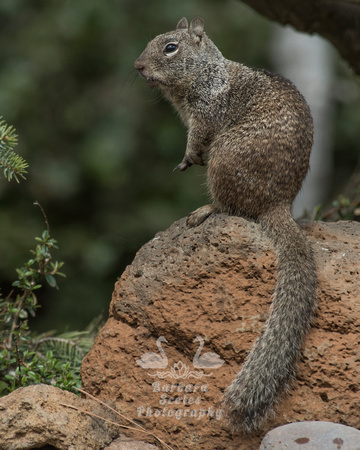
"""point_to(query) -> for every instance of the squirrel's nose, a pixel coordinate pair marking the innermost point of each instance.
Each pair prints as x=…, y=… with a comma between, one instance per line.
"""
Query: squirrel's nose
x=139, y=65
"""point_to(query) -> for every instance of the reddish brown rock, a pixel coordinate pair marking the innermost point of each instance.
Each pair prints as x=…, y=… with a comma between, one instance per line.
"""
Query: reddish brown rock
x=215, y=281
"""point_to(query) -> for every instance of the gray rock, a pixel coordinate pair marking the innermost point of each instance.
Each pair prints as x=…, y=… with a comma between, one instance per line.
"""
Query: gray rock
x=312, y=436
x=125, y=443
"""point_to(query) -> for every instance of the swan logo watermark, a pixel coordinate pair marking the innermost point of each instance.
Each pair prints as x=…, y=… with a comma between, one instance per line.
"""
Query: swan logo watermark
x=180, y=370
x=180, y=399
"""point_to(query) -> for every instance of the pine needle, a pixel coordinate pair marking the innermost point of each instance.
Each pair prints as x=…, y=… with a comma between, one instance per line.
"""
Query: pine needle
x=12, y=164
x=136, y=427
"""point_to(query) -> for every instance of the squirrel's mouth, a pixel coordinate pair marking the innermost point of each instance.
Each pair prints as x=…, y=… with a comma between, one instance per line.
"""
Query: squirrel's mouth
x=151, y=81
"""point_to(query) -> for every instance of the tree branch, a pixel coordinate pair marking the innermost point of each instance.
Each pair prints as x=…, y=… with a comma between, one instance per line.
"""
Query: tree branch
x=335, y=20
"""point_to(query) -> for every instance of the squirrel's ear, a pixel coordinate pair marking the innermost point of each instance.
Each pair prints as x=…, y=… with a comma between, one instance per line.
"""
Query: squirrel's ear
x=183, y=24
x=197, y=27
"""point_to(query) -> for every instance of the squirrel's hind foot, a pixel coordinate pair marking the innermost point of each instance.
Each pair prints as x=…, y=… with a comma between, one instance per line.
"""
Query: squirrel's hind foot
x=200, y=215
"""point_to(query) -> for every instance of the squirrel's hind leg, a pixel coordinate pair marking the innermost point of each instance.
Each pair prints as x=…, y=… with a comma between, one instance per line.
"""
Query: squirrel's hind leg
x=201, y=214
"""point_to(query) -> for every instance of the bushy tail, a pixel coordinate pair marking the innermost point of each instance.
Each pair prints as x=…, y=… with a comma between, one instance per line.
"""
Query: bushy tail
x=272, y=361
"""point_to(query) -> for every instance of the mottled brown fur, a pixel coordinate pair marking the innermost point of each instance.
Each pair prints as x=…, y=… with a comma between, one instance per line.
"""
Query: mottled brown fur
x=255, y=130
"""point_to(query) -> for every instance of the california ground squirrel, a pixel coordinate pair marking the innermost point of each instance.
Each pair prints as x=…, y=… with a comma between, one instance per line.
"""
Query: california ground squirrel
x=256, y=130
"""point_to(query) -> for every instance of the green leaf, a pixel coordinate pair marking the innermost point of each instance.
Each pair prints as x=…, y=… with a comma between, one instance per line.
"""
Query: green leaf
x=23, y=314
x=51, y=280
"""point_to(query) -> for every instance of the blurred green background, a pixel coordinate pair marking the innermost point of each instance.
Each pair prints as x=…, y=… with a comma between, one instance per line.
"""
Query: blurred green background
x=100, y=144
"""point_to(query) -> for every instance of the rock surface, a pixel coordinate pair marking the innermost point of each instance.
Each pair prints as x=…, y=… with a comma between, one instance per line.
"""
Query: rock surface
x=124, y=443
x=312, y=436
x=33, y=417
x=215, y=282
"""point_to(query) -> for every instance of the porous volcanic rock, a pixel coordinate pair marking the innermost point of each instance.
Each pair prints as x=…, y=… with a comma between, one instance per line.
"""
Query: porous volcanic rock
x=215, y=282
x=35, y=417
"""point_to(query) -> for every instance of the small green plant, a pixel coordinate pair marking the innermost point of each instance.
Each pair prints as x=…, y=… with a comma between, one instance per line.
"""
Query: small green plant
x=25, y=357
x=19, y=363
x=343, y=208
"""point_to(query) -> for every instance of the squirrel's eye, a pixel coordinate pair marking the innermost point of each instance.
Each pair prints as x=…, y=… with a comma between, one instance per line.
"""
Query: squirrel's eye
x=171, y=48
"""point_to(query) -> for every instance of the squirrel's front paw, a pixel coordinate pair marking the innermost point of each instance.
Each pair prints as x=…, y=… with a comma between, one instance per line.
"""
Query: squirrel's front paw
x=196, y=158
x=185, y=163
x=188, y=161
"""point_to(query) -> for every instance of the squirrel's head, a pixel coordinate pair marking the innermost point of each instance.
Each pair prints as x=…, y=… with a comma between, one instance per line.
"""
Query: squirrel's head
x=173, y=59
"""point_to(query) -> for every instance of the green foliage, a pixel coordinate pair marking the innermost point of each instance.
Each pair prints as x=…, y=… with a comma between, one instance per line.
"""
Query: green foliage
x=34, y=369
x=23, y=360
x=343, y=208
x=71, y=346
x=20, y=361
x=346, y=208
x=12, y=164
x=46, y=358
x=25, y=357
